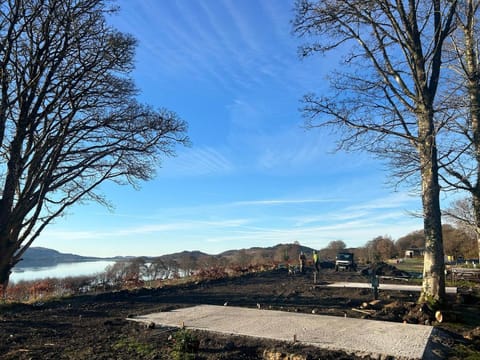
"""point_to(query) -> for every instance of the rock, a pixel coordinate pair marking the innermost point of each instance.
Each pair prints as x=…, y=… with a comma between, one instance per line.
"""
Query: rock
x=150, y=325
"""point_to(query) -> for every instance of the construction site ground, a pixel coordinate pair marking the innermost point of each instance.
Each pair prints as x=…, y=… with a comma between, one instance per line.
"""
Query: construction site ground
x=377, y=338
x=95, y=326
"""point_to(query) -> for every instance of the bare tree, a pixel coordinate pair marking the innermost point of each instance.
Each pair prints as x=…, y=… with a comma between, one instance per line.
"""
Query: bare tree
x=331, y=250
x=459, y=243
x=462, y=215
x=462, y=162
x=415, y=239
x=69, y=120
x=384, y=100
x=381, y=248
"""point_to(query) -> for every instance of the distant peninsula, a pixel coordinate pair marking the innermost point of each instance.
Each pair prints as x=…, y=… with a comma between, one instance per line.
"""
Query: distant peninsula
x=43, y=257
x=36, y=257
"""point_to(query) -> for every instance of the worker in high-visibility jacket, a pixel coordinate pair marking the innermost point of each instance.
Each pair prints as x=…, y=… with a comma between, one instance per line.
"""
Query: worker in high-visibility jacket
x=315, y=261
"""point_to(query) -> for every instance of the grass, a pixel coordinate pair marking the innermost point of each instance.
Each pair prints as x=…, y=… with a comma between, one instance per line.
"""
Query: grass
x=415, y=266
x=411, y=265
x=135, y=347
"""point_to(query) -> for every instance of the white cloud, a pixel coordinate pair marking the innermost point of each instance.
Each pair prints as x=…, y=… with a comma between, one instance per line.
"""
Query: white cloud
x=199, y=161
x=292, y=149
x=281, y=202
x=394, y=200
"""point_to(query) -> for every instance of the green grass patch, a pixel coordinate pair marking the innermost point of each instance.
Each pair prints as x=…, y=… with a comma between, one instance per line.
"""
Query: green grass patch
x=413, y=265
x=185, y=345
x=135, y=348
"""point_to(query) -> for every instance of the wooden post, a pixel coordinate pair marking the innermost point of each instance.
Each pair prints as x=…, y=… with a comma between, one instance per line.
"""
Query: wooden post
x=375, y=283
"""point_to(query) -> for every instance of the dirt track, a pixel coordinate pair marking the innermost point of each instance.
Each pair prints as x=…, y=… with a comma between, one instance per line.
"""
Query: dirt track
x=94, y=326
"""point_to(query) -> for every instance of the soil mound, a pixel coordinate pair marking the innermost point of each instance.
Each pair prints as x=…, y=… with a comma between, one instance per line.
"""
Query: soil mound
x=384, y=269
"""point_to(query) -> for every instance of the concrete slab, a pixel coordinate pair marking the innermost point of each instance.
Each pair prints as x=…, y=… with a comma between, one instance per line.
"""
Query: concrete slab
x=354, y=336
x=398, y=287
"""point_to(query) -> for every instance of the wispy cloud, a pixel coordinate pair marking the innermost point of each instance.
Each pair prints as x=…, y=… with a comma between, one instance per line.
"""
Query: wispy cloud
x=144, y=229
x=354, y=233
x=281, y=146
x=199, y=161
x=237, y=45
x=281, y=202
x=292, y=149
x=394, y=200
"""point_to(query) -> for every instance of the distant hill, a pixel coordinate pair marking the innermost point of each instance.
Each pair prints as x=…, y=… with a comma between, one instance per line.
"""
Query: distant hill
x=280, y=253
x=43, y=257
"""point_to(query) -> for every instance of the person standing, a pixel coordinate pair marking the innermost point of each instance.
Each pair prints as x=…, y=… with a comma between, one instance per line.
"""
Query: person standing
x=315, y=261
x=302, y=259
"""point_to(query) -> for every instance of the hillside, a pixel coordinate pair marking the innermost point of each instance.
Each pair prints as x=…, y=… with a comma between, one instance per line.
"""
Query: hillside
x=42, y=257
x=280, y=253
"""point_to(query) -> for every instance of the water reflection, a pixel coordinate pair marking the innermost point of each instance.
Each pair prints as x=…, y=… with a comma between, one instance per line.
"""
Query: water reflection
x=60, y=271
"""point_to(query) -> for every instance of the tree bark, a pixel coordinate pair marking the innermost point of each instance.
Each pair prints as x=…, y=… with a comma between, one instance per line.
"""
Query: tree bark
x=433, y=286
x=473, y=82
x=7, y=249
x=476, y=210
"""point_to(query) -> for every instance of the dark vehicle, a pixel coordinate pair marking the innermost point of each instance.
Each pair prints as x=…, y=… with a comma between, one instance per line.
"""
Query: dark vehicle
x=344, y=261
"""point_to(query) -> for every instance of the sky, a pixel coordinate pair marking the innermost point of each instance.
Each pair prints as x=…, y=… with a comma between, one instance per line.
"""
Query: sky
x=253, y=175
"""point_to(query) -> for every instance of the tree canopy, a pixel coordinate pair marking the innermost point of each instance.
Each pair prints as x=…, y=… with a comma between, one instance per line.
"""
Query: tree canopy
x=383, y=99
x=69, y=118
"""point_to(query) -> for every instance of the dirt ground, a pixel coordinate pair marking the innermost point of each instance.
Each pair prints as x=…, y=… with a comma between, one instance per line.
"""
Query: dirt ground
x=95, y=327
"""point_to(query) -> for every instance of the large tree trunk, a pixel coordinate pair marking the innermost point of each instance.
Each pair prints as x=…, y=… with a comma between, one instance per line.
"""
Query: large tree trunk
x=476, y=211
x=5, y=271
x=433, y=287
x=6, y=262
x=473, y=82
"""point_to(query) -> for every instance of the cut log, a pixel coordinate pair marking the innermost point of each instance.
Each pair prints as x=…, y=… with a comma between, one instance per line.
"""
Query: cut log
x=366, y=312
x=439, y=316
x=444, y=316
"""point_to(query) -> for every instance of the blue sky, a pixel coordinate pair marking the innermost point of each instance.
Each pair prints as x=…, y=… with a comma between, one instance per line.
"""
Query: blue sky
x=253, y=175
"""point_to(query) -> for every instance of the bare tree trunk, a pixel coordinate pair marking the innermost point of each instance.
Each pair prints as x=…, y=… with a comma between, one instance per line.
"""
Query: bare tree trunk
x=433, y=286
x=473, y=81
x=6, y=265
x=476, y=210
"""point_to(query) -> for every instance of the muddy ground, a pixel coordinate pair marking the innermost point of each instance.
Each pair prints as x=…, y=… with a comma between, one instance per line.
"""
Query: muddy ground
x=94, y=326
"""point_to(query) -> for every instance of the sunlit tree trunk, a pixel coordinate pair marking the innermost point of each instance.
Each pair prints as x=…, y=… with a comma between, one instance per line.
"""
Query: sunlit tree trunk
x=433, y=286
x=473, y=85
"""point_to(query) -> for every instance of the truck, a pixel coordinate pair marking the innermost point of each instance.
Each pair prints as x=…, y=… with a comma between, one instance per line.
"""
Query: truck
x=345, y=261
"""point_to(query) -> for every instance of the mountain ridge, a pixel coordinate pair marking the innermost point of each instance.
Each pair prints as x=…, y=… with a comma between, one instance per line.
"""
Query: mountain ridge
x=45, y=257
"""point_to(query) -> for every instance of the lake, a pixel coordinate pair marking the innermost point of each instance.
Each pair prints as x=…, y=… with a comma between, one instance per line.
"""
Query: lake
x=62, y=270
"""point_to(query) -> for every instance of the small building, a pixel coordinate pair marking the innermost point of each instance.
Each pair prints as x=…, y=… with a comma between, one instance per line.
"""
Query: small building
x=414, y=252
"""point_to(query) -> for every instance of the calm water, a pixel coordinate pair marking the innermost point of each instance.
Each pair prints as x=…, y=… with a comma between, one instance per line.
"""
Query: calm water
x=60, y=270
